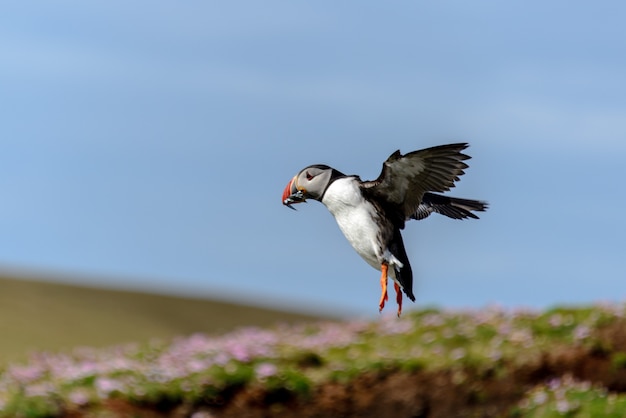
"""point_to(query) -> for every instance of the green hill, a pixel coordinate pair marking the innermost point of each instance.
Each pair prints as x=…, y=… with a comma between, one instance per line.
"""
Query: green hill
x=41, y=315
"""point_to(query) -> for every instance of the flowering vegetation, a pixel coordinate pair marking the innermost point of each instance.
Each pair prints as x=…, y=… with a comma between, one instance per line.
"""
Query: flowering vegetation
x=567, y=397
x=199, y=369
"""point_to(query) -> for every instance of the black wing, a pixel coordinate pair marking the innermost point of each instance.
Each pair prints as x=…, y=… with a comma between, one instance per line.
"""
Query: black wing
x=406, y=178
x=452, y=207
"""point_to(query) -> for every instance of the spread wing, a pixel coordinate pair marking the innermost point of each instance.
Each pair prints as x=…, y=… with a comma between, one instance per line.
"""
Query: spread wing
x=406, y=178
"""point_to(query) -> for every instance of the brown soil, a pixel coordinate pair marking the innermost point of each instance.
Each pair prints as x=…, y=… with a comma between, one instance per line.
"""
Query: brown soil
x=398, y=394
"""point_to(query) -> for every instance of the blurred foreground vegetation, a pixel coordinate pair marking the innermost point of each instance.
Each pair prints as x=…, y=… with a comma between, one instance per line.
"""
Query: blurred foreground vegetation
x=432, y=363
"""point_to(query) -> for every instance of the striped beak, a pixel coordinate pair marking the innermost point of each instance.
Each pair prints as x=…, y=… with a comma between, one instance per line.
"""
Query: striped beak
x=292, y=194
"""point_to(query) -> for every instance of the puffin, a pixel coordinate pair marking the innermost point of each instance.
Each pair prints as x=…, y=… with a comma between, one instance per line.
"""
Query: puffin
x=372, y=213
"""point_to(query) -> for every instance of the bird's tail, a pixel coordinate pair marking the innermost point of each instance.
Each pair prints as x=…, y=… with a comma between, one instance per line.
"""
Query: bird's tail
x=452, y=207
x=403, y=275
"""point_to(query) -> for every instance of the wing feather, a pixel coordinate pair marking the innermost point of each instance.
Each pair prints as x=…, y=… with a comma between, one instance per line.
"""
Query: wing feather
x=405, y=179
x=452, y=207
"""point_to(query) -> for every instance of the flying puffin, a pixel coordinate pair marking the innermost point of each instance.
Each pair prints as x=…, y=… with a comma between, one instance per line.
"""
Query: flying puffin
x=371, y=213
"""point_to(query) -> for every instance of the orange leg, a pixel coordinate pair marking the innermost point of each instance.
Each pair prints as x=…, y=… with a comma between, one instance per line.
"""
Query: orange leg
x=396, y=286
x=383, y=285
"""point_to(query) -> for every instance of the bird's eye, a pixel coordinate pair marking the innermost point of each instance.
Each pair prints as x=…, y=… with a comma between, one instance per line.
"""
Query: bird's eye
x=309, y=177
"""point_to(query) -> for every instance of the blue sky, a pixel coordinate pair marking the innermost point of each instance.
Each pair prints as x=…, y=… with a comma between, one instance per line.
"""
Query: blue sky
x=147, y=144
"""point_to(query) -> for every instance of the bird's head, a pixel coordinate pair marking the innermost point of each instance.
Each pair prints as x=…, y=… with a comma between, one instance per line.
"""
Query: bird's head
x=310, y=183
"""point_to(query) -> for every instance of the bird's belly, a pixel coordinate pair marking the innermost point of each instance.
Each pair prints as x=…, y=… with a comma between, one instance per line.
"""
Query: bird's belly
x=361, y=231
x=359, y=221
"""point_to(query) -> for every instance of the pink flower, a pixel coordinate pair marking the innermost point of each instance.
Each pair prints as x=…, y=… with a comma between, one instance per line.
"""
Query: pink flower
x=581, y=332
x=562, y=406
x=105, y=386
x=79, y=397
x=26, y=374
x=265, y=370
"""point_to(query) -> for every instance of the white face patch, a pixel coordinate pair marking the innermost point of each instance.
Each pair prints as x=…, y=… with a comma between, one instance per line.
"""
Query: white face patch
x=314, y=181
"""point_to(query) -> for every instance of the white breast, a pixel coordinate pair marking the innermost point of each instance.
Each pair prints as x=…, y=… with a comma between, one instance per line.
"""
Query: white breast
x=357, y=219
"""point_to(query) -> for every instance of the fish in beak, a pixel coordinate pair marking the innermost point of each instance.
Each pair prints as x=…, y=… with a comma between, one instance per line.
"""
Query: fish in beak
x=292, y=194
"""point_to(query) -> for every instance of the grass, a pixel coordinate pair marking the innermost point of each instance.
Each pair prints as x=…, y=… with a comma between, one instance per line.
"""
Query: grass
x=527, y=363
x=567, y=397
x=38, y=315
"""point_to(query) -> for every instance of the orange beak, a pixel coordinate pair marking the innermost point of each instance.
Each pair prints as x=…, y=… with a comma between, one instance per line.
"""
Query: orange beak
x=292, y=194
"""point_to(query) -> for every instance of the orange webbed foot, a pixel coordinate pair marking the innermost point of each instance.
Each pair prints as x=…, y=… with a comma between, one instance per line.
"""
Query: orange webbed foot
x=383, y=284
x=396, y=286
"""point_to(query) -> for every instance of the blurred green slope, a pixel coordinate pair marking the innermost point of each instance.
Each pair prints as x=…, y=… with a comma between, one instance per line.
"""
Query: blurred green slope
x=42, y=315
